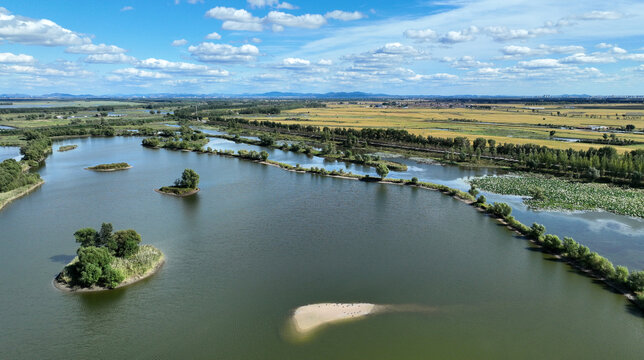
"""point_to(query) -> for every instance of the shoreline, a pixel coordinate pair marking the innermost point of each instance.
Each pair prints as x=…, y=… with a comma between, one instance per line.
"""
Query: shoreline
x=108, y=170
x=21, y=193
x=194, y=191
x=129, y=281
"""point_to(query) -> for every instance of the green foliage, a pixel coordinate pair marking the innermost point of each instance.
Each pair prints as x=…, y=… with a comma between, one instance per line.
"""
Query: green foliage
x=266, y=140
x=104, y=235
x=414, y=180
x=90, y=274
x=552, y=243
x=382, y=170
x=12, y=176
x=124, y=243
x=189, y=179
x=537, y=231
x=560, y=194
x=636, y=281
x=481, y=199
x=502, y=210
x=112, y=277
x=473, y=190
x=37, y=147
x=120, y=165
x=86, y=237
x=621, y=274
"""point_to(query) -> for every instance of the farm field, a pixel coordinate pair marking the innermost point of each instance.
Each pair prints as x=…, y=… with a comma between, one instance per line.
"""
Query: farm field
x=511, y=123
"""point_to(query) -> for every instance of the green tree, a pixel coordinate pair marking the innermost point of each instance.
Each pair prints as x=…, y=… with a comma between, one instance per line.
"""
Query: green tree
x=621, y=274
x=636, y=281
x=111, y=277
x=382, y=170
x=104, y=235
x=264, y=155
x=86, y=237
x=552, y=243
x=537, y=231
x=501, y=209
x=90, y=274
x=189, y=179
x=473, y=190
x=124, y=243
x=481, y=199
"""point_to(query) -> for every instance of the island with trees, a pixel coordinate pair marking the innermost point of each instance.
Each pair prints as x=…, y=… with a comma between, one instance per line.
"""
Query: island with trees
x=107, y=260
x=67, y=148
x=186, y=185
x=110, y=167
x=15, y=181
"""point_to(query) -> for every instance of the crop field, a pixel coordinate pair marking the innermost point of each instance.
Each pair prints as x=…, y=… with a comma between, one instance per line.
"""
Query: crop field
x=505, y=123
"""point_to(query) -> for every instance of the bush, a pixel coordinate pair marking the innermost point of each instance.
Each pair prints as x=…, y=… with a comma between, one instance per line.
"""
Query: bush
x=502, y=210
x=621, y=275
x=537, y=231
x=636, y=281
x=124, y=243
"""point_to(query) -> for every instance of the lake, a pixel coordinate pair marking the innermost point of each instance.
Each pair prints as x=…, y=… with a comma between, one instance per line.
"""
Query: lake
x=258, y=242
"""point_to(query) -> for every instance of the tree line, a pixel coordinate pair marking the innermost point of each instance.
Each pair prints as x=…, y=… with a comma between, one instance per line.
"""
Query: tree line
x=591, y=164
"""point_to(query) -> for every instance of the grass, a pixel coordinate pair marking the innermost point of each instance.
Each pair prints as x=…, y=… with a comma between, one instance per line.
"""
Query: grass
x=561, y=194
x=8, y=196
x=146, y=259
x=67, y=148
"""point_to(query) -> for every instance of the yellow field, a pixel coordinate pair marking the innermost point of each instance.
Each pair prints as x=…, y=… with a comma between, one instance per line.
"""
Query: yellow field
x=505, y=123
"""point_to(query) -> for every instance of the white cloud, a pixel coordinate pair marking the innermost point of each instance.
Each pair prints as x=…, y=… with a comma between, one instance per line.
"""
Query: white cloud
x=127, y=8
x=24, y=30
x=502, y=33
x=452, y=37
x=180, y=67
x=109, y=59
x=344, y=15
x=179, y=42
x=256, y=40
x=94, y=49
x=465, y=62
x=516, y=51
x=294, y=64
x=210, y=52
x=325, y=62
x=213, y=36
x=581, y=58
x=438, y=76
x=271, y=3
x=306, y=21
x=231, y=14
x=539, y=64
x=421, y=35
x=141, y=74
x=242, y=26
x=633, y=57
x=600, y=15
x=9, y=58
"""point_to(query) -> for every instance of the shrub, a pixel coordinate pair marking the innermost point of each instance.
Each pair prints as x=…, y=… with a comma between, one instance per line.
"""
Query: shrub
x=537, y=231
x=502, y=210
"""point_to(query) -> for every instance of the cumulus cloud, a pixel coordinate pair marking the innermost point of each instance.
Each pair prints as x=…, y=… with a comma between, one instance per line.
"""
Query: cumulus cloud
x=294, y=64
x=109, y=59
x=213, y=36
x=127, y=8
x=9, y=58
x=438, y=76
x=140, y=74
x=344, y=15
x=516, y=51
x=179, y=42
x=539, y=64
x=210, y=52
x=242, y=26
x=325, y=62
x=24, y=30
x=231, y=14
x=421, y=35
x=271, y=3
x=581, y=58
x=94, y=49
x=179, y=67
x=306, y=21
x=465, y=62
x=449, y=38
x=502, y=33
x=385, y=58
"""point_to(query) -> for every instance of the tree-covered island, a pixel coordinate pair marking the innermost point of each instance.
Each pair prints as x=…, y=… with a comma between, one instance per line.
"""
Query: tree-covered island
x=106, y=260
x=186, y=185
x=110, y=167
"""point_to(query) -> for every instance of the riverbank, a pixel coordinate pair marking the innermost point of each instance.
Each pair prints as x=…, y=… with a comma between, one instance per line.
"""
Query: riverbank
x=9, y=196
x=145, y=263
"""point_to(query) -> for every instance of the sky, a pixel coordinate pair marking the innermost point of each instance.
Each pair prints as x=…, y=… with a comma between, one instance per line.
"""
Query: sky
x=404, y=47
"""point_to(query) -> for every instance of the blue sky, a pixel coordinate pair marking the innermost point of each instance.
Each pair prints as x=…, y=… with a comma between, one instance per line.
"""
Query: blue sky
x=484, y=47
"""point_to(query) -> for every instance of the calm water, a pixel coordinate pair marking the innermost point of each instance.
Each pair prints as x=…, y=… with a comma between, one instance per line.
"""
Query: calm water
x=9, y=152
x=258, y=241
x=619, y=238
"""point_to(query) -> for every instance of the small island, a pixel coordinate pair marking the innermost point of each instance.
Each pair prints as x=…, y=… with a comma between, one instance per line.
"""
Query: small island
x=110, y=167
x=67, y=148
x=108, y=260
x=184, y=186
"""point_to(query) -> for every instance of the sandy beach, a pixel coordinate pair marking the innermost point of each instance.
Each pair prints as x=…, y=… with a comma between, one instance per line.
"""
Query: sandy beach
x=308, y=318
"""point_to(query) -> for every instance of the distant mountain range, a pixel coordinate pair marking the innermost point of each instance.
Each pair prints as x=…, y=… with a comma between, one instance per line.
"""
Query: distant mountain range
x=294, y=95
